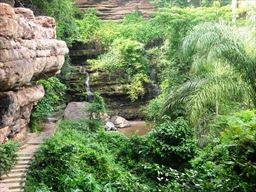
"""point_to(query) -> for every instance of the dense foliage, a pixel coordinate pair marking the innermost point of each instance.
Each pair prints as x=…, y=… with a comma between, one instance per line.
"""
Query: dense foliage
x=227, y=162
x=54, y=96
x=79, y=159
x=188, y=3
x=7, y=156
x=126, y=57
x=65, y=14
x=137, y=45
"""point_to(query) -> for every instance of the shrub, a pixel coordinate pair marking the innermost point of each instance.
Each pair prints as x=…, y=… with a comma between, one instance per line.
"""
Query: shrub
x=65, y=14
x=7, y=156
x=75, y=159
x=54, y=96
x=172, y=143
x=229, y=163
x=88, y=26
x=97, y=107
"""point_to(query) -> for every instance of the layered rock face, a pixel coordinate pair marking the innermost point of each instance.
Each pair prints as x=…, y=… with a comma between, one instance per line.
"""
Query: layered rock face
x=116, y=9
x=109, y=86
x=28, y=51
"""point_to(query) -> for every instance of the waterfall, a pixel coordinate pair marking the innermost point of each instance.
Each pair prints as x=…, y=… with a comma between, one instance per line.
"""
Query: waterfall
x=154, y=88
x=89, y=94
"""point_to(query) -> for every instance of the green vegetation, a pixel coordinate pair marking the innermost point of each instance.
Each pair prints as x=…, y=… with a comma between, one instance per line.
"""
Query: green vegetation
x=204, y=136
x=65, y=15
x=7, y=156
x=79, y=159
x=190, y=3
x=126, y=57
x=136, y=45
x=96, y=110
x=54, y=96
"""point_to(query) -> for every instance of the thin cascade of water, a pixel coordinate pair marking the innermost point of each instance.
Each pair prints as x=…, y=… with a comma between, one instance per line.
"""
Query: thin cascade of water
x=89, y=94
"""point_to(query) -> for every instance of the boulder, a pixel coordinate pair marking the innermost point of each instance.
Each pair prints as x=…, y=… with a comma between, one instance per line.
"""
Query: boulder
x=6, y=10
x=24, y=12
x=76, y=111
x=109, y=126
x=120, y=122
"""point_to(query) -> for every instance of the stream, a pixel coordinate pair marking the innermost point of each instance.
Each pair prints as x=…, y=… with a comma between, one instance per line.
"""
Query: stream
x=137, y=127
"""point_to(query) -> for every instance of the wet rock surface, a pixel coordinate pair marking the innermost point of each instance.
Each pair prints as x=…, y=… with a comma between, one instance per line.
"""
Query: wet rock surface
x=28, y=51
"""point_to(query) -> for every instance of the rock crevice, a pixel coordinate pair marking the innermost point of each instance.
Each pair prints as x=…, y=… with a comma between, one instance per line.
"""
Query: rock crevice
x=28, y=51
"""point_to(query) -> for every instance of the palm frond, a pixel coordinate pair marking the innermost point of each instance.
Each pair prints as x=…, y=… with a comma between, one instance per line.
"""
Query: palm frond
x=196, y=95
x=211, y=42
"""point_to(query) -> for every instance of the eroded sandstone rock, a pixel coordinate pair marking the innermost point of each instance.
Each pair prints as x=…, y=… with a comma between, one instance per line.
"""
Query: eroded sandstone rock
x=28, y=51
x=15, y=110
x=76, y=111
x=28, y=47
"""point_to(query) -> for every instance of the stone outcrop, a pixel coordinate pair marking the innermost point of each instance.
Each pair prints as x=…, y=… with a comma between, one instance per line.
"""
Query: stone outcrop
x=76, y=111
x=28, y=51
x=116, y=9
x=109, y=86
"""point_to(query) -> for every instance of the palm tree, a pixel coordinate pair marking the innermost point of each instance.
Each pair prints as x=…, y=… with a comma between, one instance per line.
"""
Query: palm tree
x=213, y=42
x=221, y=68
x=209, y=91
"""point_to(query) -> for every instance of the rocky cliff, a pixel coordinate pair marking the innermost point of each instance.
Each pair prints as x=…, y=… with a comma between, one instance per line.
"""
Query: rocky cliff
x=109, y=86
x=116, y=9
x=28, y=51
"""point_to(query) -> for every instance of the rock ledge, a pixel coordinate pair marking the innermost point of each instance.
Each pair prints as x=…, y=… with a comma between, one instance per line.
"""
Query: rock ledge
x=28, y=51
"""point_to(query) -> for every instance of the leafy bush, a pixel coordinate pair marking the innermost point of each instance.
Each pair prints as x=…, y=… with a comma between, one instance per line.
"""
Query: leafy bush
x=97, y=107
x=172, y=143
x=54, y=96
x=7, y=156
x=65, y=14
x=169, y=146
x=228, y=162
x=77, y=160
x=88, y=26
x=128, y=58
x=96, y=111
